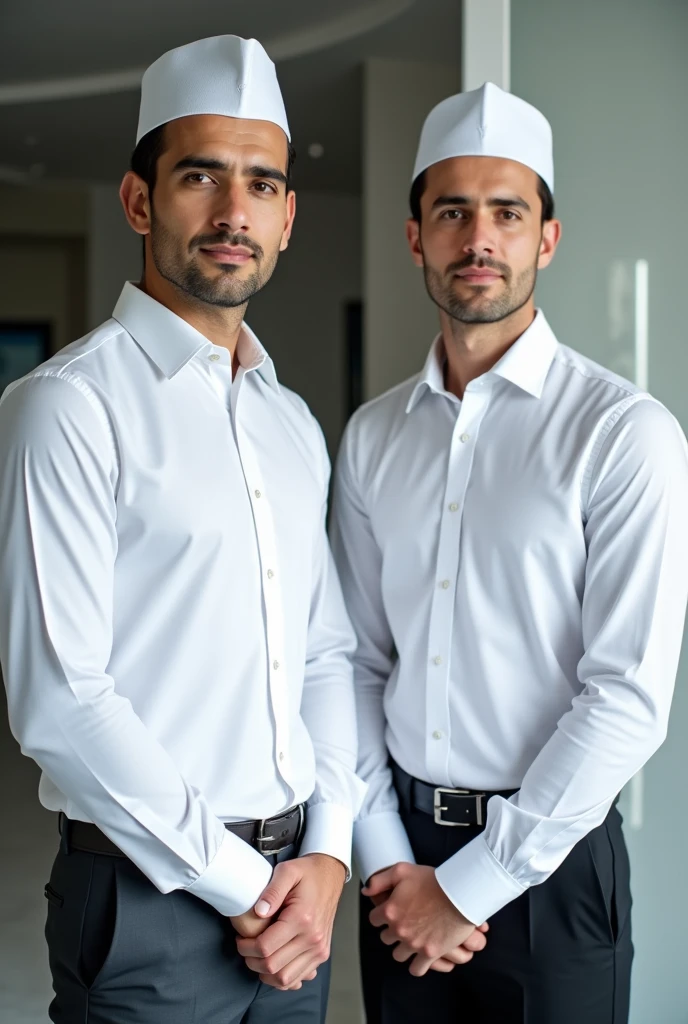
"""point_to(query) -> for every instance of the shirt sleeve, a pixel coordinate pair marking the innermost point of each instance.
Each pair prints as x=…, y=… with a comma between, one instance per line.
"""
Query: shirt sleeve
x=380, y=838
x=58, y=546
x=633, y=609
x=327, y=705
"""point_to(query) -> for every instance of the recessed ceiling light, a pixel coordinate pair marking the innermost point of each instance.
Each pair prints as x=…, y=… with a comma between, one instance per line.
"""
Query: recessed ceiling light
x=316, y=150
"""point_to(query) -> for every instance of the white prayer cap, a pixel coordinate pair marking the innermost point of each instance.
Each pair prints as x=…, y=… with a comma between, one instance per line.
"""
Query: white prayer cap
x=221, y=75
x=487, y=122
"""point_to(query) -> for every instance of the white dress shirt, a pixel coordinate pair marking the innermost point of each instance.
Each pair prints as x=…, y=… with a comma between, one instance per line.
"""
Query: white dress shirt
x=173, y=638
x=515, y=565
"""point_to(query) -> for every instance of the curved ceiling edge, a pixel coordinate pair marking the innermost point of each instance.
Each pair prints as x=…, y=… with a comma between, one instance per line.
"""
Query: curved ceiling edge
x=292, y=44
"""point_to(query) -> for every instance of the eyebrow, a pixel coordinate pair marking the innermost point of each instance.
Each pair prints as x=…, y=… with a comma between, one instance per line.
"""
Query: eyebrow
x=497, y=201
x=208, y=163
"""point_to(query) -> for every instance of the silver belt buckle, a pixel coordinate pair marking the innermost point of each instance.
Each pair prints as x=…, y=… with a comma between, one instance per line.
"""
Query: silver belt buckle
x=441, y=792
x=262, y=838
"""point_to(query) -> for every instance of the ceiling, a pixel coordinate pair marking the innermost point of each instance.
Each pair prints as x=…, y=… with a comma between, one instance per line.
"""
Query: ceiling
x=321, y=43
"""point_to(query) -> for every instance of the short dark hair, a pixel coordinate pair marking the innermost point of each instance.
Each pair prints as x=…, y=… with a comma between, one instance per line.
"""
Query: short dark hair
x=144, y=159
x=543, y=190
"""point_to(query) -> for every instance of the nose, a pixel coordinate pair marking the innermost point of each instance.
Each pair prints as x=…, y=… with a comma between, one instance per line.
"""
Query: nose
x=479, y=240
x=231, y=211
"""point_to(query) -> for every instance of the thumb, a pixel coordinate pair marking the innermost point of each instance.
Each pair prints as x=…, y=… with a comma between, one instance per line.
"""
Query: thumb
x=382, y=881
x=273, y=896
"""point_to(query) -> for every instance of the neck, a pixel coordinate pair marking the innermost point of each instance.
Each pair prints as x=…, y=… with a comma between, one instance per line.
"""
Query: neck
x=473, y=349
x=219, y=324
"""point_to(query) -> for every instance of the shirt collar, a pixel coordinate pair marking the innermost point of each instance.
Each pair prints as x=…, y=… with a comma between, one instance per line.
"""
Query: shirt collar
x=526, y=364
x=172, y=342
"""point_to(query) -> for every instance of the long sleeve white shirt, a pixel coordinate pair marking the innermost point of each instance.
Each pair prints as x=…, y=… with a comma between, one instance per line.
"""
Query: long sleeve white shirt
x=516, y=566
x=173, y=638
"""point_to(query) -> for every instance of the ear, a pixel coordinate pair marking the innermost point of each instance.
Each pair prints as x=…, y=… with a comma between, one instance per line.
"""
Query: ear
x=551, y=233
x=134, y=196
x=413, y=239
x=289, y=223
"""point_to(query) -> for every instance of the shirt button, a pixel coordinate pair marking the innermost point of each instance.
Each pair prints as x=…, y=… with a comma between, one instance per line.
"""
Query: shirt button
x=275, y=665
x=437, y=660
x=214, y=357
x=464, y=438
x=445, y=584
x=453, y=507
x=270, y=574
x=281, y=755
x=257, y=494
x=437, y=735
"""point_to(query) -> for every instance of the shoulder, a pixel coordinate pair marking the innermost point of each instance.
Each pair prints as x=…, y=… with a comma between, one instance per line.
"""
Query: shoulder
x=591, y=377
x=63, y=392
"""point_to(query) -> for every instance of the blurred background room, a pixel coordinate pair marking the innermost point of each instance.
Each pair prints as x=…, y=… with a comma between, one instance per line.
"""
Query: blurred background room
x=346, y=315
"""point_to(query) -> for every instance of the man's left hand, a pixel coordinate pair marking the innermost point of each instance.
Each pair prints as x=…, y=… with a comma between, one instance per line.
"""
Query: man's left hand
x=418, y=916
x=304, y=894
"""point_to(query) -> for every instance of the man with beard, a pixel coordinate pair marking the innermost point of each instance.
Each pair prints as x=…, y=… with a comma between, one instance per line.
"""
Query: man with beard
x=173, y=637
x=510, y=532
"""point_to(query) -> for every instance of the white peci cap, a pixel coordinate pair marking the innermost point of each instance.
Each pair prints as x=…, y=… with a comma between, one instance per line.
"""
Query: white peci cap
x=221, y=75
x=487, y=122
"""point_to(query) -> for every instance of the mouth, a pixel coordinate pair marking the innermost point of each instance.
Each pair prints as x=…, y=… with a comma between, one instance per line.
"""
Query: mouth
x=474, y=275
x=235, y=254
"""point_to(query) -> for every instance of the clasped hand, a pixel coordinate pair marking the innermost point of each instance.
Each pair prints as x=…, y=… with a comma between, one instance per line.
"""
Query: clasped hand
x=421, y=920
x=286, y=937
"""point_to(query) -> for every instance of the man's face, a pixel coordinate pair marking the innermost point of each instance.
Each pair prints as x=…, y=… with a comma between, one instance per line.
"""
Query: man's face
x=220, y=213
x=481, y=239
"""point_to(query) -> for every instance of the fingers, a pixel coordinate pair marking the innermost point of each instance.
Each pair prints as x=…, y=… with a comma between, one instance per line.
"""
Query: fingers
x=277, y=961
x=460, y=955
x=475, y=942
x=382, y=881
x=301, y=969
x=284, y=878
x=377, y=900
x=273, y=938
x=443, y=966
x=484, y=928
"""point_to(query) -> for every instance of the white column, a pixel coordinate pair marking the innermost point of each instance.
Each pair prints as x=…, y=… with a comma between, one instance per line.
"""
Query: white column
x=400, y=321
x=486, y=43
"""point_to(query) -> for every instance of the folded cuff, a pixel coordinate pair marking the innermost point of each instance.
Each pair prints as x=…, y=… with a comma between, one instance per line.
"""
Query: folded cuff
x=235, y=878
x=380, y=840
x=328, y=831
x=476, y=883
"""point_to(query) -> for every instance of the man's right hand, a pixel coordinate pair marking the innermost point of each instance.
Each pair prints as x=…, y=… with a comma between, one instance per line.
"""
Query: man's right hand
x=249, y=925
x=475, y=943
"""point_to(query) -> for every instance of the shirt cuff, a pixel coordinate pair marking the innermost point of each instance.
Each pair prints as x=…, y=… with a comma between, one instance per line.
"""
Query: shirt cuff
x=380, y=840
x=235, y=878
x=476, y=883
x=328, y=830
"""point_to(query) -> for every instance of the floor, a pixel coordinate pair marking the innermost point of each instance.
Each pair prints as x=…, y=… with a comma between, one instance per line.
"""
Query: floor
x=27, y=848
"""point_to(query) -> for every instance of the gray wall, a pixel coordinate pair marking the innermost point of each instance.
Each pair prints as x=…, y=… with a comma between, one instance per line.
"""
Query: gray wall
x=299, y=316
x=400, y=320
x=612, y=77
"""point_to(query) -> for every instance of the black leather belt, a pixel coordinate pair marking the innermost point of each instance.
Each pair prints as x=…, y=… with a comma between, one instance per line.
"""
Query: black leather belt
x=268, y=836
x=450, y=807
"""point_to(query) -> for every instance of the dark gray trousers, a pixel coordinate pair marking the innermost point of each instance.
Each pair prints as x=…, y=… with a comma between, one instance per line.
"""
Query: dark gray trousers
x=122, y=952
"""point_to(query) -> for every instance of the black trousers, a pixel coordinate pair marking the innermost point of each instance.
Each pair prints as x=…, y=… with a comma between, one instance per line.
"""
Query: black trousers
x=122, y=952
x=560, y=953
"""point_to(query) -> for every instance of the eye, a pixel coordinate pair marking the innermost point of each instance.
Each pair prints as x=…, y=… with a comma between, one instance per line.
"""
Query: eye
x=264, y=187
x=197, y=178
x=510, y=215
x=451, y=215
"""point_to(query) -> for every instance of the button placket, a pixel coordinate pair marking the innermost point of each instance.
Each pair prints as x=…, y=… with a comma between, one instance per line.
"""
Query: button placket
x=447, y=569
x=273, y=602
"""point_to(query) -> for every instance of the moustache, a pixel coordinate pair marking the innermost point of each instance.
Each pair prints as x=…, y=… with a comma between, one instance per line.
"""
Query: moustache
x=481, y=263
x=227, y=238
